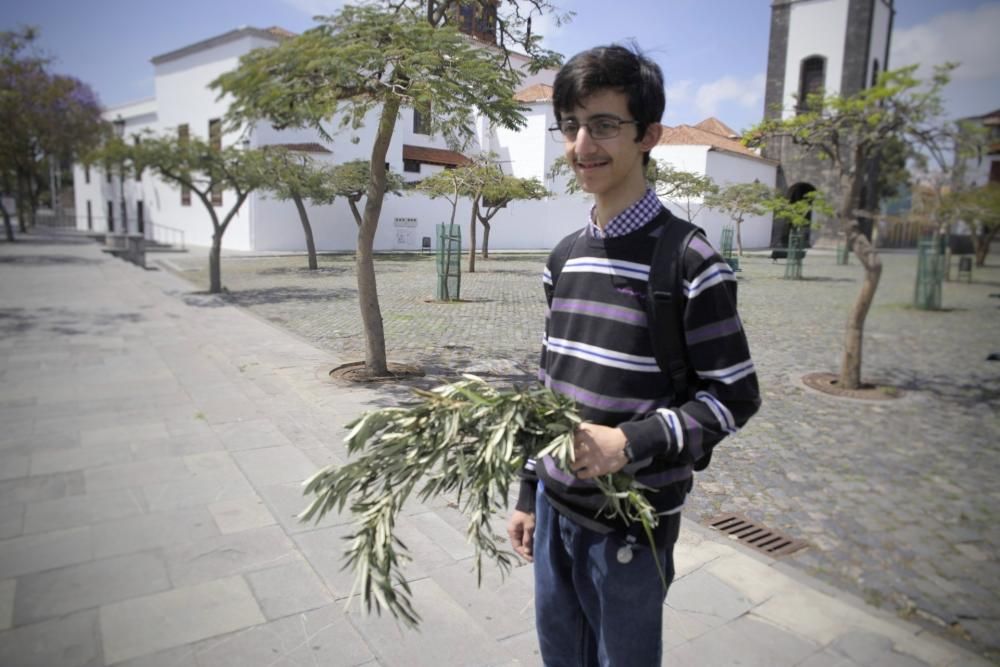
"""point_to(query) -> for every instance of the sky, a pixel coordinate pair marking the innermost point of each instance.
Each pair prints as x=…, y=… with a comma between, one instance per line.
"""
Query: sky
x=713, y=52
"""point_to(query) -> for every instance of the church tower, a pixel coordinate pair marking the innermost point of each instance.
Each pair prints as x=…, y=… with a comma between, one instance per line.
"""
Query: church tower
x=837, y=46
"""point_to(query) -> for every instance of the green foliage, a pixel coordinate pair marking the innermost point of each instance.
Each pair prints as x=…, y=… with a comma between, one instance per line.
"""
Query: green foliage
x=687, y=190
x=45, y=117
x=366, y=56
x=739, y=200
x=798, y=213
x=193, y=163
x=898, y=118
x=291, y=174
x=978, y=207
x=465, y=438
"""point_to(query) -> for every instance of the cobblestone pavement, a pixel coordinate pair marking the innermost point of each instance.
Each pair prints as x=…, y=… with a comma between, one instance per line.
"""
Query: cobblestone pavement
x=898, y=499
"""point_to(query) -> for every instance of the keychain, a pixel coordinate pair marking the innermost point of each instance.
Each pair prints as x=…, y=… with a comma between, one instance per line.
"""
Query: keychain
x=625, y=552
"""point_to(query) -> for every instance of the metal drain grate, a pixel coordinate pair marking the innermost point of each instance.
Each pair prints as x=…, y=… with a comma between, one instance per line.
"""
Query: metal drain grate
x=754, y=535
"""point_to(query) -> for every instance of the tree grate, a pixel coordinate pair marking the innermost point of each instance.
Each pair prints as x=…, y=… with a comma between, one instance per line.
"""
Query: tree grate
x=756, y=536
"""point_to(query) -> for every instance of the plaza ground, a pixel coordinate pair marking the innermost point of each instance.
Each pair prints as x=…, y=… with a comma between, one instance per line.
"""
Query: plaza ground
x=155, y=438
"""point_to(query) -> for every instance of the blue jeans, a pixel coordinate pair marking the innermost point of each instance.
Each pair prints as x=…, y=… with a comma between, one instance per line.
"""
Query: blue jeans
x=590, y=609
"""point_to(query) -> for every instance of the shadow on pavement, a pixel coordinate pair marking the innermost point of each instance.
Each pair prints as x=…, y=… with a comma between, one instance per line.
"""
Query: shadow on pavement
x=46, y=260
x=62, y=321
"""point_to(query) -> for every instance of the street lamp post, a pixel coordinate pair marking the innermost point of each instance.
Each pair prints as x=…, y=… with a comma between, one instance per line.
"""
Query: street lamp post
x=119, y=124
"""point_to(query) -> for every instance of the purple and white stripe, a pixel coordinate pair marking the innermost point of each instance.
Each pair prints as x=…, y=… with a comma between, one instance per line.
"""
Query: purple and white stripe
x=729, y=375
x=713, y=275
x=603, y=356
x=602, y=310
x=611, y=267
x=598, y=401
x=715, y=330
x=719, y=411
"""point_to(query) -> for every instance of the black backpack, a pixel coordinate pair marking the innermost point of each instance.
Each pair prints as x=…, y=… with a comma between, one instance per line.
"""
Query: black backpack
x=664, y=304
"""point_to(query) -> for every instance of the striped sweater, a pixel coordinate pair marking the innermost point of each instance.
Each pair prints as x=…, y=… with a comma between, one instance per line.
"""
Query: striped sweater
x=597, y=350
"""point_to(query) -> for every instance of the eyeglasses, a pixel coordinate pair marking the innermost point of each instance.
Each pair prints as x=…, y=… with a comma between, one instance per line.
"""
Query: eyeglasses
x=601, y=127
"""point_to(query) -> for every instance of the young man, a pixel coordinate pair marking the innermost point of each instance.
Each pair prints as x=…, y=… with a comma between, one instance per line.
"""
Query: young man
x=598, y=591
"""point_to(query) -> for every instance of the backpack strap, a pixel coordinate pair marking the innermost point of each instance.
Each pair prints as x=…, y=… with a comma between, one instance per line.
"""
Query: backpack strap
x=665, y=303
x=561, y=254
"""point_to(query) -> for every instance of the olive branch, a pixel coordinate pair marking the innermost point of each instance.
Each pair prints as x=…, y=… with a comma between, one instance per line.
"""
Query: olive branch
x=466, y=438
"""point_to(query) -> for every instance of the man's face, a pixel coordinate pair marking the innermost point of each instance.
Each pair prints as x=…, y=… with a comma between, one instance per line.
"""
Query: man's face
x=604, y=166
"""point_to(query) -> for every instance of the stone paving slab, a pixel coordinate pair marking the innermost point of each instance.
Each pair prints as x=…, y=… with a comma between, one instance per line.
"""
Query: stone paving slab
x=895, y=499
x=200, y=481
x=181, y=616
x=62, y=591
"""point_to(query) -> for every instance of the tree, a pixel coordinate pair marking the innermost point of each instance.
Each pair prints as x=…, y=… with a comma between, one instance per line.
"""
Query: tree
x=46, y=119
x=489, y=190
x=192, y=163
x=498, y=194
x=376, y=59
x=980, y=209
x=739, y=200
x=850, y=133
x=294, y=176
x=685, y=189
x=798, y=213
x=351, y=180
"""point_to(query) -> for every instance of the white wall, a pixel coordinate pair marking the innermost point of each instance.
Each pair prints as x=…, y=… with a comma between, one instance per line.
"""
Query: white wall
x=727, y=168
x=880, y=39
x=183, y=96
x=816, y=27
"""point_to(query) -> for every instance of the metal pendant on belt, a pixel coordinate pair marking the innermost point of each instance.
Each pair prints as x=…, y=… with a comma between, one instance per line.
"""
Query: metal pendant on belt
x=625, y=553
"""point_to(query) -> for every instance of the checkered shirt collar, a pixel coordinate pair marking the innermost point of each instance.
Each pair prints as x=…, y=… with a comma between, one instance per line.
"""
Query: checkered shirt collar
x=629, y=220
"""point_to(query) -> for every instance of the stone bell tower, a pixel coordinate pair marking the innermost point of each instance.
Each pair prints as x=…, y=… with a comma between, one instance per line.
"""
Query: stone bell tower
x=837, y=46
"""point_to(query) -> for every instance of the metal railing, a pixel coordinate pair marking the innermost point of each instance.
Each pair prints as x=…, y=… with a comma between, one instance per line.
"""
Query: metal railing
x=164, y=234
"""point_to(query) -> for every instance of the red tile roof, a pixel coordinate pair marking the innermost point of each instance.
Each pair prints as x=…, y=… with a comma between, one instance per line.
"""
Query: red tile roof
x=437, y=156
x=716, y=126
x=539, y=92
x=686, y=135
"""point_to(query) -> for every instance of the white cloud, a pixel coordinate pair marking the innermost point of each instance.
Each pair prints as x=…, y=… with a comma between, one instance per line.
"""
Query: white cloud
x=678, y=92
x=747, y=93
x=968, y=37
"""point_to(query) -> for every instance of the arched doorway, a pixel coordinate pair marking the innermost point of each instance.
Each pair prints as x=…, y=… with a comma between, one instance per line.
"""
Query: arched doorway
x=781, y=228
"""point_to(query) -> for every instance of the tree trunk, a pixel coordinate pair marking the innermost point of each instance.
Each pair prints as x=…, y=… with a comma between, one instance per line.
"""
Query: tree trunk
x=22, y=204
x=7, y=225
x=215, y=263
x=850, y=370
x=739, y=238
x=371, y=314
x=307, y=229
x=486, y=240
x=472, y=238
x=983, y=242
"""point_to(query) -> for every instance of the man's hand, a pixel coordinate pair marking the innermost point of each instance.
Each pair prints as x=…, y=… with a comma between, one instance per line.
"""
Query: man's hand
x=521, y=530
x=598, y=450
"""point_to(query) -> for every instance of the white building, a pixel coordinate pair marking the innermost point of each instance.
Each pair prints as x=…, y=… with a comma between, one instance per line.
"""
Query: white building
x=711, y=148
x=184, y=102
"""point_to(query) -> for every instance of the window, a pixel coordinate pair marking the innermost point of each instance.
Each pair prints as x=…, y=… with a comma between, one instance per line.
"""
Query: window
x=215, y=143
x=466, y=14
x=422, y=119
x=111, y=216
x=995, y=171
x=107, y=173
x=812, y=78
x=412, y=166
x=140, y=217
x=90, y=216
x=875, y=72
x=86, y=173
x=183, y=134
x=215, y=134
